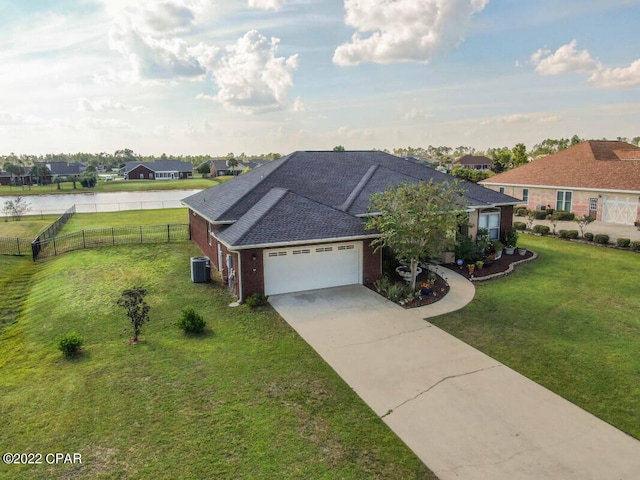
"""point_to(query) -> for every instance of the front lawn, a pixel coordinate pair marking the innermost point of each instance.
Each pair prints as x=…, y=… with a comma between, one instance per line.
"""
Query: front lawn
x=569, y=321
x=248, y=400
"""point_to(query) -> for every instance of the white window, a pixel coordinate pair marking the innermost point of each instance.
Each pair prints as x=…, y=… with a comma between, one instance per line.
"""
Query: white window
x=525, y=195
x=490, y=220
x=593, y=204
x=563, y=200
x=142, y=175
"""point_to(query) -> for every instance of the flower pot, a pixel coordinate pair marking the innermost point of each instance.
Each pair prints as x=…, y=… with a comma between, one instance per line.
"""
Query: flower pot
x=509, y=250
x=522, y=251
x=498, y=255
x=426, y=291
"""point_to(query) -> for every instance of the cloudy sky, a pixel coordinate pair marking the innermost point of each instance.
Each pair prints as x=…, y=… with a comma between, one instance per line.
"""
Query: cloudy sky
x=259, y=76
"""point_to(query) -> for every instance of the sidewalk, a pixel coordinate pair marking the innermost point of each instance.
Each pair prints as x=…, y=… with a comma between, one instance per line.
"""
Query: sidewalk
x=614, y=230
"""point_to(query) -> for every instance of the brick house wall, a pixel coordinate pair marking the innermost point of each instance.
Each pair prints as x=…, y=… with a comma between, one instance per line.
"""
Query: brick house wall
x=141, y=170
x=371, y=263
x=548, y=196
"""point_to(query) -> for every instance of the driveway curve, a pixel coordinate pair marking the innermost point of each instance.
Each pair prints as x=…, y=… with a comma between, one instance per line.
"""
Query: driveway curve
x=466, y=415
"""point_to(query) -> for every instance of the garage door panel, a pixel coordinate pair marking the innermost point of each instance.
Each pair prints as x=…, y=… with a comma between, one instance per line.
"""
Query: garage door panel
x=312, y=267
x=620, y=209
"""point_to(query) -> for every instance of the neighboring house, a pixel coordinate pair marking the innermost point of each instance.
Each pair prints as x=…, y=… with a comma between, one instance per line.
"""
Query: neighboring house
x=297, y=223
x=158, y=170
x=7, y=178
x=474, y=162
x=220, y=168
x=597, y=178
x=64, y=169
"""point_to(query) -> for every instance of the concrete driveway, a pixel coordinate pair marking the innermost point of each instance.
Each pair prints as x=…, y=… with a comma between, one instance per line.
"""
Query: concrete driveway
x=464, y=414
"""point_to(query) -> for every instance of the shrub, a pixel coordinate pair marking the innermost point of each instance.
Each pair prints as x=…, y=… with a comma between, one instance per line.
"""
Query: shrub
x=399, y=291
x=257, y=300
x=191, y=321
x=623, y=242
x=601, y=239
x=521, y=211
x=519, y=225
x=635, y=246
x=563, y=215
x=588, y=237
x=541, y=214
x=573, y=234
x=563, y=233
x=70, y=344
x=541, y=229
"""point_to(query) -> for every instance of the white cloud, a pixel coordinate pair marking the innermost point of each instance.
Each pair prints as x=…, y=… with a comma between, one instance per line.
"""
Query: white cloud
x=266, y=4
x=520, y=118
x=568, y=60
x=404, y=30
x=564, y=60
x=250, y=78
x=626, y=77
x=145, y=33
x=298, y=105
x=107, y=105
x=415, y=113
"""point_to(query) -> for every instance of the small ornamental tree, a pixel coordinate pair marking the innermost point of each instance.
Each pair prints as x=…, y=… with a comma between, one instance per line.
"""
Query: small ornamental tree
x=132, y=299
x=417, y=220
x=583, y=222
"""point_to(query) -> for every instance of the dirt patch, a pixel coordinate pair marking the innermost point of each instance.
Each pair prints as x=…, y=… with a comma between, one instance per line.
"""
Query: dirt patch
x=498, y=267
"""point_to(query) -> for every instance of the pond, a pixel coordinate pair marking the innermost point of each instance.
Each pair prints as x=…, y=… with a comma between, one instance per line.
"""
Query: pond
x=103, y=201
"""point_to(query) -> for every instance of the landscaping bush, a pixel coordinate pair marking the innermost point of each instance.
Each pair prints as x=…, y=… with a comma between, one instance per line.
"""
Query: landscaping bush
x=519, y=225
x=541, y=229
x=563, y=215
x=563, y=233
x=191, y=321
x=635, y=246
x=601, y=239
x=573, y=234
x=398, y=291
x=70, y=344
x=623, y=242
x=521, y=211
x=541, y=214
x=588, y=237
x=257, y=300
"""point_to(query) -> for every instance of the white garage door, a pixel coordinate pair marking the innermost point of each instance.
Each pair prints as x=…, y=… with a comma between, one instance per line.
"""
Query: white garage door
x=310, y=267
x=620, y=209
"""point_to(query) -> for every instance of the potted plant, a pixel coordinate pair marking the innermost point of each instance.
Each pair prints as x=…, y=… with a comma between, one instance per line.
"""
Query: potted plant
x=499, y=247
x=522, y=251
x=472, y=268
x=479, y=264
x=425, y=288
x=510, y=241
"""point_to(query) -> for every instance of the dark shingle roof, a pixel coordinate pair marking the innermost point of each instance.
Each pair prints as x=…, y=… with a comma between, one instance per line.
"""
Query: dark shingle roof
x=313, y=196
x=473, y=160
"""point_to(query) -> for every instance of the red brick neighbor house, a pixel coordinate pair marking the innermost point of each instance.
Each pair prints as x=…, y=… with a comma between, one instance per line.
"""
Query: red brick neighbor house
x=474, y=162
x=158, y=170
x=297, y=223
x=598, y=178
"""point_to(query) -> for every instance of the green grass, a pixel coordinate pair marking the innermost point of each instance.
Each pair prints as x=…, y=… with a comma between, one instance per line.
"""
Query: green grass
x=129, y=218
x=114, y=186
x=248, y=400
x=28, y=226
x=15, y=279
x=569, y=321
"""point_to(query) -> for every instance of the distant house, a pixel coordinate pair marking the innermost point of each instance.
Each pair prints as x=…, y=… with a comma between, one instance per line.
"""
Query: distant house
x=158, y=170
x=7, y=178
x=221, y=168
x=596, y=178
x=474, y=162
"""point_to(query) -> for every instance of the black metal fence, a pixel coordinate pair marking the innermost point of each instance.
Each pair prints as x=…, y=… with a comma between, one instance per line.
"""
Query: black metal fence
x=50, y=232
x=15, y=246
x=113, y=236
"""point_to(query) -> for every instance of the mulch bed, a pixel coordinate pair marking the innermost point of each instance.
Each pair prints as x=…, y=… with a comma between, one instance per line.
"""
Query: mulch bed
x=441, y=287
x=496, y=267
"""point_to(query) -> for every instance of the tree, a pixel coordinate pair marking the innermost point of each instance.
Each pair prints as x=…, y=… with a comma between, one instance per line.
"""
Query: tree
x=501, y=159
x=519, y=155
x=417, y=220
x=16, y=208
x=583, y=222
x=338, y=148
x=233, y=163
x=132, y=299
x=40, y=171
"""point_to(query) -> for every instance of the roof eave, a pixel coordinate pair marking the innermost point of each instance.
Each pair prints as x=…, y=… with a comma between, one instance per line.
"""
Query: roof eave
x=298, y=242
